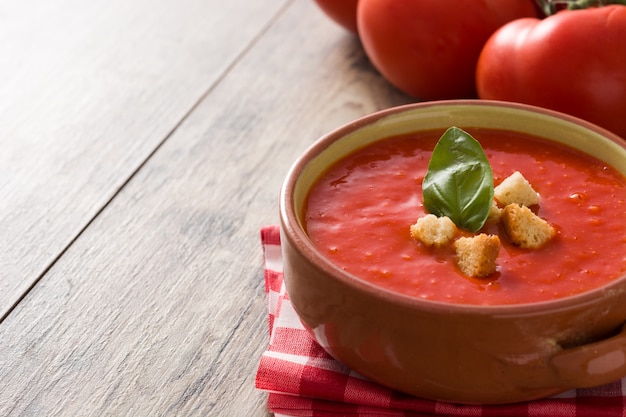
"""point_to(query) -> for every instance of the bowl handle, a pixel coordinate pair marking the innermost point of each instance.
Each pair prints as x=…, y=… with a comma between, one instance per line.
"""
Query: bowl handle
x=593, y=364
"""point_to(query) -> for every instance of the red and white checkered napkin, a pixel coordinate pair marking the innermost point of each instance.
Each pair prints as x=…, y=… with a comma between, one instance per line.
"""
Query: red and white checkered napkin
x=303, y=380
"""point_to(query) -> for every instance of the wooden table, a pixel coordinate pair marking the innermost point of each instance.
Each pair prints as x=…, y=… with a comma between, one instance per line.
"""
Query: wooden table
x=142, y=147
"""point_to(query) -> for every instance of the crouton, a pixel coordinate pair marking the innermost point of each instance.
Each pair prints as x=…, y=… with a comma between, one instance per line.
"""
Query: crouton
x=433, y=230
x=476, y=255
x=524, y=228
x=494, y=213
x=516, y=189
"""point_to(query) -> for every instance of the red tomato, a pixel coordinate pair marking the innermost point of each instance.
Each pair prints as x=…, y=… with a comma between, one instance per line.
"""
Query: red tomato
x=429, y=48
x=342, y=12
x=573, y=62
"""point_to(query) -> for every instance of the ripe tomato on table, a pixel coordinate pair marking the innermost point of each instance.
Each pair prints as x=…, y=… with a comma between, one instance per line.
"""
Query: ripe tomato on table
x=573, y=61
x=343, y=12
x=429, y=48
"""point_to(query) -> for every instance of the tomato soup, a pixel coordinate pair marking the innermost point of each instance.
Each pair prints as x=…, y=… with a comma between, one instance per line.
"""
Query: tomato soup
x=359, y=212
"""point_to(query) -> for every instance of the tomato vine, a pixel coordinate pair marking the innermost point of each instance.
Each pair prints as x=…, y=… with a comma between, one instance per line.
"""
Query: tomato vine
x=550, y=7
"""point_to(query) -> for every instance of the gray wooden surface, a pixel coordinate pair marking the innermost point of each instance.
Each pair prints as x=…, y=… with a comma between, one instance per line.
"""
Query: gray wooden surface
x=142, y=148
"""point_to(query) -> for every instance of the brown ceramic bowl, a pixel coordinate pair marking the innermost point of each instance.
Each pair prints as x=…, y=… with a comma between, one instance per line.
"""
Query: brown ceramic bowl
x=442, y=351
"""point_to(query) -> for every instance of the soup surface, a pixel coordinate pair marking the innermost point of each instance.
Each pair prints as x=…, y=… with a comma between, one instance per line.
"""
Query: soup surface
x=359, y=212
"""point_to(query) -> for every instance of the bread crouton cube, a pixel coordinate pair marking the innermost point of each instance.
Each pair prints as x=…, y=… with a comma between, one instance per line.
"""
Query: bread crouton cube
x=476, y=255
x=524, y=228
x=494, y=213
x=516, y=189
x=434, y=231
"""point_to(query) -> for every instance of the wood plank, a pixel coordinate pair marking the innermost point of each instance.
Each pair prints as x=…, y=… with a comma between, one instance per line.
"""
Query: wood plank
x=158, y=307
x=88, y=90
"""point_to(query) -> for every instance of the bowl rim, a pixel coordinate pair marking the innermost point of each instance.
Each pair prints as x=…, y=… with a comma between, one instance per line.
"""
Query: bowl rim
x=290, y=226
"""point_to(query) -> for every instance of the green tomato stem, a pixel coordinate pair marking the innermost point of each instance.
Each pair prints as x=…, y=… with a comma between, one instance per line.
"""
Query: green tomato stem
x=550, y=7
x=585, y=4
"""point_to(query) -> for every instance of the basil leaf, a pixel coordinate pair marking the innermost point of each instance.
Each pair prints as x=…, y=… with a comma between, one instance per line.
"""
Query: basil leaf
x=459, y=180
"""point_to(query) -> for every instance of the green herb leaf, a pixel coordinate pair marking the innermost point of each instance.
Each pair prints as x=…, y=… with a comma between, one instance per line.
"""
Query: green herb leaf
x=459, y=181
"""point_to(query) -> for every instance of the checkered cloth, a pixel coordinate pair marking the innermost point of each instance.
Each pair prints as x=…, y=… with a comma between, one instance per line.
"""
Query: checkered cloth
x=303, y=380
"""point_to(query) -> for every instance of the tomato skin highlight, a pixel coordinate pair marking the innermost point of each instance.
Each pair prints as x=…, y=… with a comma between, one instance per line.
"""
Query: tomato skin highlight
x=573, y=62
x=342, y=12
x=429, y=48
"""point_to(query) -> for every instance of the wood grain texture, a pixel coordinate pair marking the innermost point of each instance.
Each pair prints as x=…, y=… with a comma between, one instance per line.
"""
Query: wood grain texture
x=157, y=308
x=88, y=90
